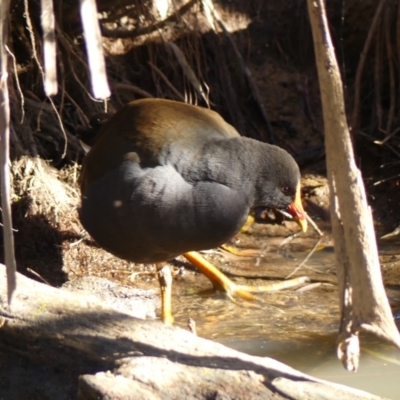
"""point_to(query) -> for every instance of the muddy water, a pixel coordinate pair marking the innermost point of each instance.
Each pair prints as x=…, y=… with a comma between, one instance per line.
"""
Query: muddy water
x=295, y=326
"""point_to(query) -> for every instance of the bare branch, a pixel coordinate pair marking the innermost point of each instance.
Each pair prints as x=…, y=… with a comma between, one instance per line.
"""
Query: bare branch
x=94, y=48
x=4, y=153
x=49, y=47
x=364, y=305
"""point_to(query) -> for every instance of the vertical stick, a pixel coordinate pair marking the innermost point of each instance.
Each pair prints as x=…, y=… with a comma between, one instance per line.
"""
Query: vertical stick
x=4, y=152
x=94, y=49
x=49, y=47
x=364, y=305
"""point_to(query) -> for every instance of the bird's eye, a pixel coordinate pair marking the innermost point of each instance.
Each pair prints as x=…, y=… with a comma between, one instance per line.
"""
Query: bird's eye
x=286, y=190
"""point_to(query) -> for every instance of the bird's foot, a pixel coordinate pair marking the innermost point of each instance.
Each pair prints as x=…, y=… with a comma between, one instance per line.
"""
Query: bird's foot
x=219, y=280
x=223, y=283
x=274, y=286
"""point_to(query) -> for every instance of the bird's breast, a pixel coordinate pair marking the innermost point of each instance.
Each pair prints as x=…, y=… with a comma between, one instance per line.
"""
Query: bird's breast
x=154, y=214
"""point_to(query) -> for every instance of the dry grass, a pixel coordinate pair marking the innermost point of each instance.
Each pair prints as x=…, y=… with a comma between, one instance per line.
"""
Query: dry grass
x=52, y=196
x=49, y=237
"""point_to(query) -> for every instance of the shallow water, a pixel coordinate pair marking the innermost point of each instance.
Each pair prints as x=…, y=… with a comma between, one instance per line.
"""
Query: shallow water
x=297, y=327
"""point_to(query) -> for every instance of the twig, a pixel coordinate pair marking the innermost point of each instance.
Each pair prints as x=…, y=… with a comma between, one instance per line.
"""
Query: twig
x=306, y=259
x=360, y=68
x=314, y=225
x=392, y=149
x=398, y=29
x=38, y=276
x=387, y=137
x=4, y=154
x=287, y=240
x=384, y=141
x=386, y=179
x=389, y=51
x=21, y=96
x=377, y=78
x=167, y=81
x=191, y=324
x=70, y=48
x=391, y=234
x=61, y=127
x=35, y=56
x=82, y=116
x=134, y=89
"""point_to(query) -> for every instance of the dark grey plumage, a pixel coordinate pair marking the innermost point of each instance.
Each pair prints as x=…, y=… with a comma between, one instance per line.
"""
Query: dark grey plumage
x=166, y=178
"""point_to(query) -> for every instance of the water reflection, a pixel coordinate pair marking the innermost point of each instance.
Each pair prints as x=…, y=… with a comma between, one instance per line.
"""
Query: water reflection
x=297, y=327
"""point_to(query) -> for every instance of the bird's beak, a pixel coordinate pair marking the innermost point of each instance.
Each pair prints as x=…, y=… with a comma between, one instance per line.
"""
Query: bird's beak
x=296, y=210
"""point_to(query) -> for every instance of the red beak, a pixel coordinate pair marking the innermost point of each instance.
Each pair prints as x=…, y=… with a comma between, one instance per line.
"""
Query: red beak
x=296, y=210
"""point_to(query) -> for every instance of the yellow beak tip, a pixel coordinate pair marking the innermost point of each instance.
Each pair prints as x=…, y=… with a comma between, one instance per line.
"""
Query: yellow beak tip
x=303, y=224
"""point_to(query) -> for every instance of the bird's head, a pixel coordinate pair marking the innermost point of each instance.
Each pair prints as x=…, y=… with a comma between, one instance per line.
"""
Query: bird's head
x=278, y=185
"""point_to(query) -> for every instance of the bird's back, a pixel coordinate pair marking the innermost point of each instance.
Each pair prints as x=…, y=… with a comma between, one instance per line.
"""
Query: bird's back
x=141, y=129
x=136, y=204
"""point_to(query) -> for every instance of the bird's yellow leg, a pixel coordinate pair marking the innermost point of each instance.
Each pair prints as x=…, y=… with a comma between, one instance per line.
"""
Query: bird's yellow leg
x=246, y=226
x=218, y=279
x=249, y=222
x=165, y=280
x=222, y=282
